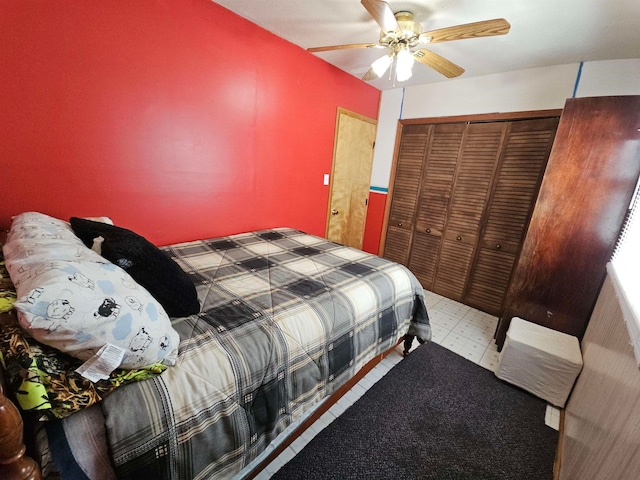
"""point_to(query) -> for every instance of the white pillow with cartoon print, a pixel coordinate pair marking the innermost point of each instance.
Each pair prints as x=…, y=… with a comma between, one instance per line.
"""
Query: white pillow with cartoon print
x=73, y=299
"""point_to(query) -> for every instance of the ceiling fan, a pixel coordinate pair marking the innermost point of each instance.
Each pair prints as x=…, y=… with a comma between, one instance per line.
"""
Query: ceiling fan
x=400, y=34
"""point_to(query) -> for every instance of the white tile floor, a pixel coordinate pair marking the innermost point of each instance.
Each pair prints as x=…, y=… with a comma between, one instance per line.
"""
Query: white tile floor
x=461, y=329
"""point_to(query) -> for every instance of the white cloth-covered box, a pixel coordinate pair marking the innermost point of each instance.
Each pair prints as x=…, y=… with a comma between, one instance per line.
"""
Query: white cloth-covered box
x=540, y=360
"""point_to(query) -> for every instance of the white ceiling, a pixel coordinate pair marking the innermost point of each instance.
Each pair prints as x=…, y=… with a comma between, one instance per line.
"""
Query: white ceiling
x=543, y=32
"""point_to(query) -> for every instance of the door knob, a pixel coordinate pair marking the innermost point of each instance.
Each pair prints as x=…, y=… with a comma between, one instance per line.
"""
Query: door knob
x=334, y=212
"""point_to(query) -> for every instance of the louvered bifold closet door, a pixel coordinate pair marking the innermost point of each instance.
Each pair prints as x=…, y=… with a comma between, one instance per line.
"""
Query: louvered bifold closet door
x=481, y=148
x=520, y=172
x=435, y=196
x=404, y=197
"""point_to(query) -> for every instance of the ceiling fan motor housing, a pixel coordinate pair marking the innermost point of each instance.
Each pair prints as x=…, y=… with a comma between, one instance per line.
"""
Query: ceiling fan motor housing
x=408, y=36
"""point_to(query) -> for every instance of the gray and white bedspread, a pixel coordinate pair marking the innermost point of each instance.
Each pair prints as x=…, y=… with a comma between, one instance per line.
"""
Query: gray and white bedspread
x=286, y=319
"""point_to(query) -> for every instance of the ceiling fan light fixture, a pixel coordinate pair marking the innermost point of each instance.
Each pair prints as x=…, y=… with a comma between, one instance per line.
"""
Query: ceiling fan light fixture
x=404, y=65
x=381, y=65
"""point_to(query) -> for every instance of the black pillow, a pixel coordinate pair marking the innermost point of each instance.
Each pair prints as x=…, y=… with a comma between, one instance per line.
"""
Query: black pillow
x=146, y=263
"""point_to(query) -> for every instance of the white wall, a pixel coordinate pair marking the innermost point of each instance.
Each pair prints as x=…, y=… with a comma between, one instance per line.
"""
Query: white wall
x=532, y=89
x=391, y=104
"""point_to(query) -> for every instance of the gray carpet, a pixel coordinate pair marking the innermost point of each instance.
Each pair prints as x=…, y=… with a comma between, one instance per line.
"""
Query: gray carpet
x=435, y=415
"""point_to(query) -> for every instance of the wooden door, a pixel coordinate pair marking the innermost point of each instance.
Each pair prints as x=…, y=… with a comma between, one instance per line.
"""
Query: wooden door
x=481, y=146
x=406, y=185
x=350, y=178
x=435, y=195
x=461, y=197
x=520, y=171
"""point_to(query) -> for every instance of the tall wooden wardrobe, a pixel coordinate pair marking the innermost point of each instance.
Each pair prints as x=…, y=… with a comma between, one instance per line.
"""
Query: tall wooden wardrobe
x=587, y=188
x=462, y=195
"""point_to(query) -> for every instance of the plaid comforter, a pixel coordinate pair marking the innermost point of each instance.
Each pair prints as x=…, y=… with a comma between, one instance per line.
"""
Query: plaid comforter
x=286, y=319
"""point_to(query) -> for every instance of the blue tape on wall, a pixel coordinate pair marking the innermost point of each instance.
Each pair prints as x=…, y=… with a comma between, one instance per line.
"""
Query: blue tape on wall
x=575, y=87
x=378, y=189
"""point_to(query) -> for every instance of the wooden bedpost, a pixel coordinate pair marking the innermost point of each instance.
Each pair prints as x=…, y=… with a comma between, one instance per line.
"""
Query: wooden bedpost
x=14, y=465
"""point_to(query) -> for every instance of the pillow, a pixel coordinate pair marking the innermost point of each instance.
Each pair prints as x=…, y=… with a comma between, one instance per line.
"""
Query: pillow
x=100, y=219
x=74, y=300
x=145, y=262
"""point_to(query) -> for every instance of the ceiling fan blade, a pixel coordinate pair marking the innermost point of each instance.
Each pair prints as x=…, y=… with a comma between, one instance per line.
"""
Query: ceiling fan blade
x=438, y=63
x=370, y=75
x=343, y=47
x=382, y=14
x=486, y=28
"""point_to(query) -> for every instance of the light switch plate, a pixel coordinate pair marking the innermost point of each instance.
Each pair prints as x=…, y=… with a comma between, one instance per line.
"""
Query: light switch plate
x=326, y=179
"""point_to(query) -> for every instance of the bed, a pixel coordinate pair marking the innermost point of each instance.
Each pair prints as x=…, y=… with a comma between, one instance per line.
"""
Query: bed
x=285, y=320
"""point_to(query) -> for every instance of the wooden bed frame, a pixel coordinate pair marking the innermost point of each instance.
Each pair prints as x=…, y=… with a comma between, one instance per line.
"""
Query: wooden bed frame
x=16, y=465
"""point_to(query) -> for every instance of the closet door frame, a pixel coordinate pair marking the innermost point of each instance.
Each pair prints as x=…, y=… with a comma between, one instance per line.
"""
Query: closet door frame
x=477, y=118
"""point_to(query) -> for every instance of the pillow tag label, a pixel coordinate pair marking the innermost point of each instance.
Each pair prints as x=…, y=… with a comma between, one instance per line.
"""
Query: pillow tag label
x=102, y=363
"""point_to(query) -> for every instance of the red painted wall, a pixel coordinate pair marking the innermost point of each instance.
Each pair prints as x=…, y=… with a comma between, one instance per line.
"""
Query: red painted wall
x=178, y=119
x=374, y=222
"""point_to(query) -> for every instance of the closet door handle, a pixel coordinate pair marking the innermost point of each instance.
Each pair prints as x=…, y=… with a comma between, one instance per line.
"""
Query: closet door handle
x=399, y=224
x=459, y=238
x=498, y=247
x=428, y=230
